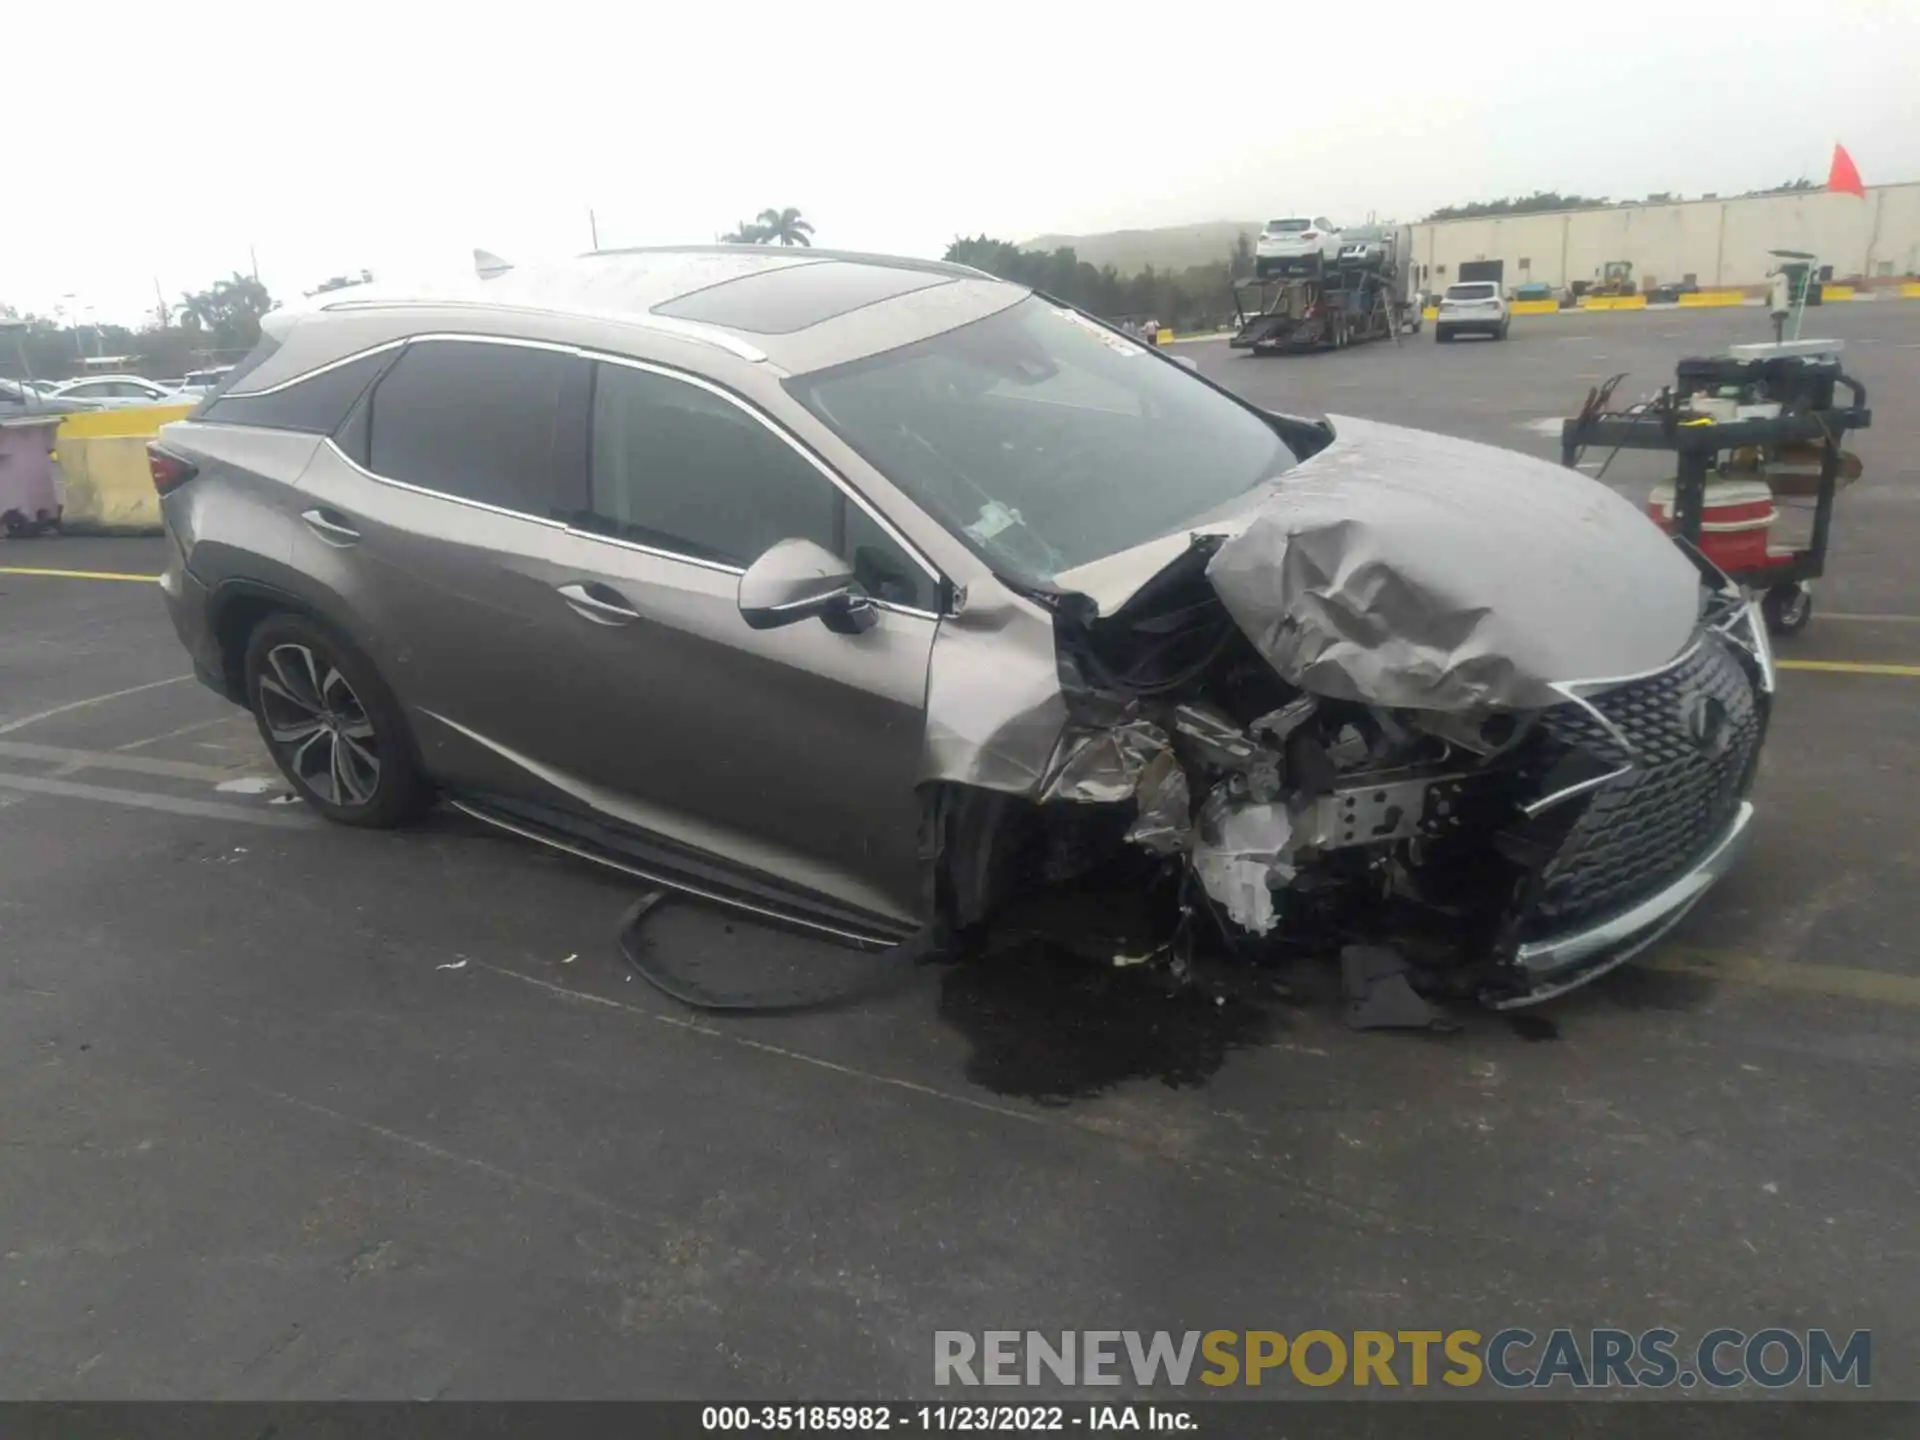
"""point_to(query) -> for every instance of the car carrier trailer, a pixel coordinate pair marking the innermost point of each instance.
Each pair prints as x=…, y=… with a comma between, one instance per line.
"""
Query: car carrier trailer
x=1364, y=294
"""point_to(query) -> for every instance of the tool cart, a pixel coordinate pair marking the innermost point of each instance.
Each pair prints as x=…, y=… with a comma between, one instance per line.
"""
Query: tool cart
x=1759, y=423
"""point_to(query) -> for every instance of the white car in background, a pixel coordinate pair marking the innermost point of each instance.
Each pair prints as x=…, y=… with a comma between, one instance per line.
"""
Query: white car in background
x=198, y=384
x=1472, y=307
x=1298, y=244
x=118, y=390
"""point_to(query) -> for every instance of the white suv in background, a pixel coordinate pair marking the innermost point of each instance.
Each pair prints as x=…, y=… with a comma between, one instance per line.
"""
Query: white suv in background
x=1472, y=307
x=1299, y=244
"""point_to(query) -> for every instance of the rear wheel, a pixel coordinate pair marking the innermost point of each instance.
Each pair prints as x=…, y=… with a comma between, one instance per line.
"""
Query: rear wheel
x=1442, y=335
x=331, y=725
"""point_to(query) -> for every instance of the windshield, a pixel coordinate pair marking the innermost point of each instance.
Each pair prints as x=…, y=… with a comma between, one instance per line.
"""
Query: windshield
x=1044, y=439
x=1482, y=291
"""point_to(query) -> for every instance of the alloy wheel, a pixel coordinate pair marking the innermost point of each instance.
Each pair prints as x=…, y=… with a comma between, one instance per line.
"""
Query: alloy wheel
x=312, y=715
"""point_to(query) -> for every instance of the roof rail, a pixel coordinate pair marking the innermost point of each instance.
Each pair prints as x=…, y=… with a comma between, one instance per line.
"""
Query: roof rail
x=662, y=324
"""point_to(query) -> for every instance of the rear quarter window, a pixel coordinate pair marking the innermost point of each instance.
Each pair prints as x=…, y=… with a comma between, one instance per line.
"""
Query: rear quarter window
x=316, y=403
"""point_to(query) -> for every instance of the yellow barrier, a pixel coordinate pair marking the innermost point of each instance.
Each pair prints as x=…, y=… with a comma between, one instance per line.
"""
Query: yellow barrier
x=1910, y=291
x=1613, y=302
x=1836, y=292
x=1163, y=336
x=1535, y=307
x=1707, y=299
x=143, y=420
x=108, y=485
x=1432, y=312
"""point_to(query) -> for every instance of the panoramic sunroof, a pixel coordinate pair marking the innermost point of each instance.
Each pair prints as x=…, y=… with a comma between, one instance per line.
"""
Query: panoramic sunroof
x=779, y=302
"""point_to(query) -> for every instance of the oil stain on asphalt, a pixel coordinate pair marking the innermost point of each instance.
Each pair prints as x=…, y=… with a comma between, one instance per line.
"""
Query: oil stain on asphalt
x=1050, y=1026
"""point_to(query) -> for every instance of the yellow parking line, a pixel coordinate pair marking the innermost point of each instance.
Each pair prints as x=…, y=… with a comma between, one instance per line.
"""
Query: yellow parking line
x=78, y=574
x=1848, y=667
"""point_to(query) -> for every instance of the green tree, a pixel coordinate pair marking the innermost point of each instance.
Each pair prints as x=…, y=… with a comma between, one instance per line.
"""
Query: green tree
x=228, y=311
x=745, y=233
x=784, y=227
x=1197, y=297
x=1519, y=205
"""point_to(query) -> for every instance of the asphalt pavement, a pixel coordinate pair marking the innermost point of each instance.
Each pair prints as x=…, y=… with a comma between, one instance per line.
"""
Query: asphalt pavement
x=289, y=1110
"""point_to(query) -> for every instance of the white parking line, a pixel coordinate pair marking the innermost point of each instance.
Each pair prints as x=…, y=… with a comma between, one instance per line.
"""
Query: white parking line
x=109, y=760
x=183, y=730
x=282, y=819
x=35, y=719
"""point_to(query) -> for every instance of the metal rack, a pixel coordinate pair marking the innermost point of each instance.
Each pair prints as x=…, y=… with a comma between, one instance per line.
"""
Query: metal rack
x=1699, y=444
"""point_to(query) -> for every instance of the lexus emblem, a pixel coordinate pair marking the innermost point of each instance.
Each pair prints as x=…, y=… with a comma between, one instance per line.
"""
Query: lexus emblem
x=1707, y=724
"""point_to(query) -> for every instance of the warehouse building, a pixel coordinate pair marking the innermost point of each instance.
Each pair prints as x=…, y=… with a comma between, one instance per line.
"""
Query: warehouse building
x=1710, y=243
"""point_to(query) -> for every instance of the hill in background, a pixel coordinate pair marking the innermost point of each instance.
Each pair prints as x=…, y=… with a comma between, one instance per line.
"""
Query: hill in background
x=1171, y=247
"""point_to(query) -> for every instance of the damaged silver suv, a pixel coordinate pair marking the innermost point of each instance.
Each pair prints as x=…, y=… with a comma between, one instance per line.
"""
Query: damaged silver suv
x=876, y=594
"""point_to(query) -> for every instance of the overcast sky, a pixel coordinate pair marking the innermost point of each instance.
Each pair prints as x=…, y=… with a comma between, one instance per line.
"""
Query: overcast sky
x=398, y=136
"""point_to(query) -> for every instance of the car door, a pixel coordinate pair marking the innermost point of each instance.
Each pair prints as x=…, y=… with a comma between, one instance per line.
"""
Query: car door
x=432, y=525
x=792, y=751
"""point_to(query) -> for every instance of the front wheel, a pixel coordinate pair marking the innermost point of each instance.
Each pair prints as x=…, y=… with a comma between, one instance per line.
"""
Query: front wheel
x=331, y=725
x=1787, y=608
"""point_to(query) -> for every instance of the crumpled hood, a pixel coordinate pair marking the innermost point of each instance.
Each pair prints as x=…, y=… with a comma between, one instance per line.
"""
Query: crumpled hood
x=1403, y=568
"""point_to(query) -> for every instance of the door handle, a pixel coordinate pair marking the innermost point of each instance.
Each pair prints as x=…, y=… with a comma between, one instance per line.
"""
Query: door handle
x=329, y=528
x=594, y=607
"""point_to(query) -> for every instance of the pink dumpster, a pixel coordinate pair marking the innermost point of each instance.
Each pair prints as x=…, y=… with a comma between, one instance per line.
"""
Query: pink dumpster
x=30, y=499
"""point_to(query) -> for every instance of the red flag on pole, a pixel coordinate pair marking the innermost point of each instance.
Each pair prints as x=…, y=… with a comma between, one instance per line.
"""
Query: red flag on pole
x=1844, y=177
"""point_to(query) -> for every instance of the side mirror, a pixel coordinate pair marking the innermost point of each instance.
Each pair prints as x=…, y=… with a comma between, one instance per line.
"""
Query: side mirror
x=799, y=580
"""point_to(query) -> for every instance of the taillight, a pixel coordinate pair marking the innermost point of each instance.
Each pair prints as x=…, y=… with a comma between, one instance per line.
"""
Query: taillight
x=169, y=471
x=1309, y=234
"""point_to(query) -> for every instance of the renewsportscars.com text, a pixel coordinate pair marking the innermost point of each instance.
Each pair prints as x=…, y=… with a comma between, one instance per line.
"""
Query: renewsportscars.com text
x=1510, y=1359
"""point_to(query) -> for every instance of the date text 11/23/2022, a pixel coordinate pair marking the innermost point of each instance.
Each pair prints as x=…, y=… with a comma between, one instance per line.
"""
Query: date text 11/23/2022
x=928, y=1419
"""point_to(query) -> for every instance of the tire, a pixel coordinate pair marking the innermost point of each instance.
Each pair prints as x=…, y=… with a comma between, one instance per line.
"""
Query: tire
x=1501, y=333
x=332, y=725
x=1442, y=335
x=1787, y=609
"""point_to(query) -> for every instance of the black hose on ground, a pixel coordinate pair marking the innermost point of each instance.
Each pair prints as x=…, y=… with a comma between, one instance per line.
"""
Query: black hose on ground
x=880, y=972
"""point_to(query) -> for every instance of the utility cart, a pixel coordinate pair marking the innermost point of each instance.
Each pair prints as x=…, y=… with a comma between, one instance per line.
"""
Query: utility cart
x=1759, y=423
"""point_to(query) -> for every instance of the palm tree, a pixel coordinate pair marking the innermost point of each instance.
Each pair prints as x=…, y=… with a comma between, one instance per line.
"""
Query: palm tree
x=745, y=233
x=196, y=311
x=784, y=227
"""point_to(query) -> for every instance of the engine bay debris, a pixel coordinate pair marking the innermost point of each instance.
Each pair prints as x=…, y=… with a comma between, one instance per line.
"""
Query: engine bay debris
x=1364, y=719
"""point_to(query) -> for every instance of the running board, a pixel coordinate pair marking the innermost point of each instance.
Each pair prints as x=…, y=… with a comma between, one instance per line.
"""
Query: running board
x=582, y=849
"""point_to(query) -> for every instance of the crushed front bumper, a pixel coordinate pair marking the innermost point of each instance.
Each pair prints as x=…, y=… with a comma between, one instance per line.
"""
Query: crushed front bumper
x=1550, y=967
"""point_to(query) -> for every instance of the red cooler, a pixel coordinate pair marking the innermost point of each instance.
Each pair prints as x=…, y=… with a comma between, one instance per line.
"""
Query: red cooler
x=1736, y=521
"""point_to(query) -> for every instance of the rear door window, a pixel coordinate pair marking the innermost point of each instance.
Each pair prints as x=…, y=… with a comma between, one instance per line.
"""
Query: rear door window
x=475, y=420
x=677, y=468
